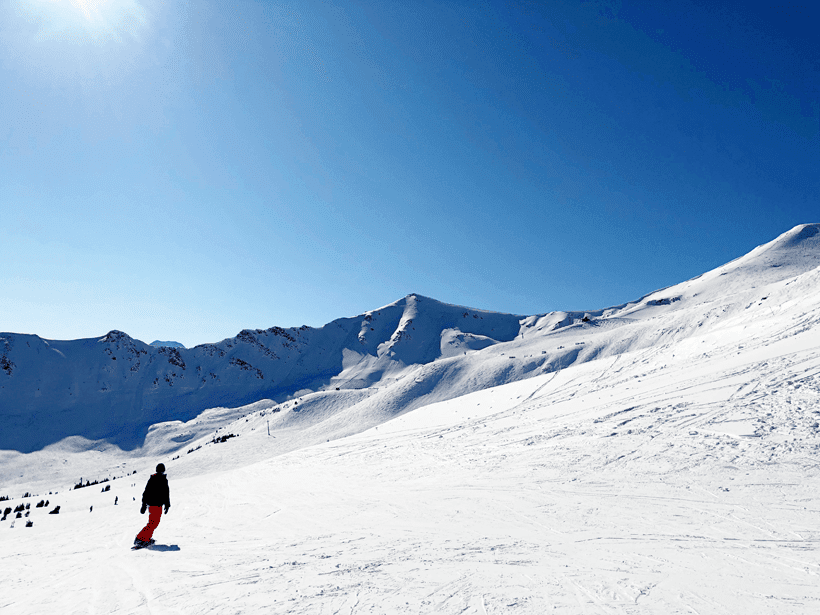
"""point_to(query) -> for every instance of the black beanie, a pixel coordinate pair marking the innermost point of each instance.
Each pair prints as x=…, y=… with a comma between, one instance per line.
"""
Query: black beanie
x=161, y=468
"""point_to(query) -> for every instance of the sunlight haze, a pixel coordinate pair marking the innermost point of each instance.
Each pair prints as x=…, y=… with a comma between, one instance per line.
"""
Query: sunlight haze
x=181, y=171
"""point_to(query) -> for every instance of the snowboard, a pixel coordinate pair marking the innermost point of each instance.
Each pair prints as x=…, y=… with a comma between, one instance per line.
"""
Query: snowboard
x=139, y=546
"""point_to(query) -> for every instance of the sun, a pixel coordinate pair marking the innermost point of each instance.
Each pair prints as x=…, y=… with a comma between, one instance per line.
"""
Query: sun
x=88, y=20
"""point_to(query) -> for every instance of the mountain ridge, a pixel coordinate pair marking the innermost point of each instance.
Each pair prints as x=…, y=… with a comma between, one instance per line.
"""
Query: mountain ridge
x=409, y=353
x=135, y=385
x=170, y=344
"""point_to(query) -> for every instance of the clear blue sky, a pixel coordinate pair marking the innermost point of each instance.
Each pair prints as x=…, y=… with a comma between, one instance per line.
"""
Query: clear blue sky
x=181, y=171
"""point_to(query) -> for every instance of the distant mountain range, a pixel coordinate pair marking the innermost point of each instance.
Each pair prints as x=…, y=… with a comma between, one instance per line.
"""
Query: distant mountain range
x=406, y=354
x=159, y=344
x=115, y=387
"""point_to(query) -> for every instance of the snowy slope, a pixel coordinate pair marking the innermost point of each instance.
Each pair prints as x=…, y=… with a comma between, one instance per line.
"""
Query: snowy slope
x=406, y=355
x=745, y=300
x=115, y=387
x=671, y=468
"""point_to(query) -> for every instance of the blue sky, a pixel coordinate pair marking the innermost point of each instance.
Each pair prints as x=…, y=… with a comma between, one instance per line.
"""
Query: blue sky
x=181, y=171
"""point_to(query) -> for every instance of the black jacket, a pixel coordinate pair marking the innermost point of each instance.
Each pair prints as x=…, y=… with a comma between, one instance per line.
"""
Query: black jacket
x=156, y=491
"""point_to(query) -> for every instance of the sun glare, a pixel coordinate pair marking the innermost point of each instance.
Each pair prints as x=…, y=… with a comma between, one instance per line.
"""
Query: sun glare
x=88, y=20
x=91, y=9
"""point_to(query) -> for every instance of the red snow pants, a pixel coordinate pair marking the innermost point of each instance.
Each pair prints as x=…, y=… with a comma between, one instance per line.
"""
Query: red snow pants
x=154, y=514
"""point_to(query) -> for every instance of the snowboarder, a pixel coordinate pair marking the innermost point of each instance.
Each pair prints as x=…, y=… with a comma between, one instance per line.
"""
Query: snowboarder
x=155, y=496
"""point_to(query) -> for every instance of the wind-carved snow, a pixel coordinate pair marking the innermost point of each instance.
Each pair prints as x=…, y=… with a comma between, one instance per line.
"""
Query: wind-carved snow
x=657, y=457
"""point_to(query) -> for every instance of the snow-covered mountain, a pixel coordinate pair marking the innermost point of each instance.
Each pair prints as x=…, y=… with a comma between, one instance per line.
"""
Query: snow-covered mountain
x=655, y=457
x=115, y=387
x=367, y=369
x=161, y=344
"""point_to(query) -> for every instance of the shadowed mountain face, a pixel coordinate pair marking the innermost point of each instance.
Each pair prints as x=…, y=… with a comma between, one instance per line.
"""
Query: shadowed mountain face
x=115, y=387
x=405, y=355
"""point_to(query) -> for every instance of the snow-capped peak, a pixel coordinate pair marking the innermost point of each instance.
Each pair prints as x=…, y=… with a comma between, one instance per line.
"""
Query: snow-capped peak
x=406, y=354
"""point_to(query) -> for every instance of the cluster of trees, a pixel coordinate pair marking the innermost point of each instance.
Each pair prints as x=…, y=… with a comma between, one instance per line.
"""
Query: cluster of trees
x=80, y=484
x=26, y=508
x=23, y=510
x=87, y=483
x=18, y=511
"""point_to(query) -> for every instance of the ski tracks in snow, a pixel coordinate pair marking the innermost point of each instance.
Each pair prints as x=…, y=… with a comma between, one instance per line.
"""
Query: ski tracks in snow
x=625, y=487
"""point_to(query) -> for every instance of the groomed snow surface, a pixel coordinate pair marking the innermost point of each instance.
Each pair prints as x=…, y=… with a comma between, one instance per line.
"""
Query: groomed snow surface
x=674, y=472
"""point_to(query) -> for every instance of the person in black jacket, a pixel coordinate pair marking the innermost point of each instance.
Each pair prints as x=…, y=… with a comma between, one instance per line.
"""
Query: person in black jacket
x=154, y=498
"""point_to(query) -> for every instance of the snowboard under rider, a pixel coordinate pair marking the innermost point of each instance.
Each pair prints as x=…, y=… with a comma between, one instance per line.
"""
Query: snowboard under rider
x=155, y=496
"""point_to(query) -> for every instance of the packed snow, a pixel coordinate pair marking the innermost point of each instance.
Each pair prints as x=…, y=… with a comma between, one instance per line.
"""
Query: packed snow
x=656, y=457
